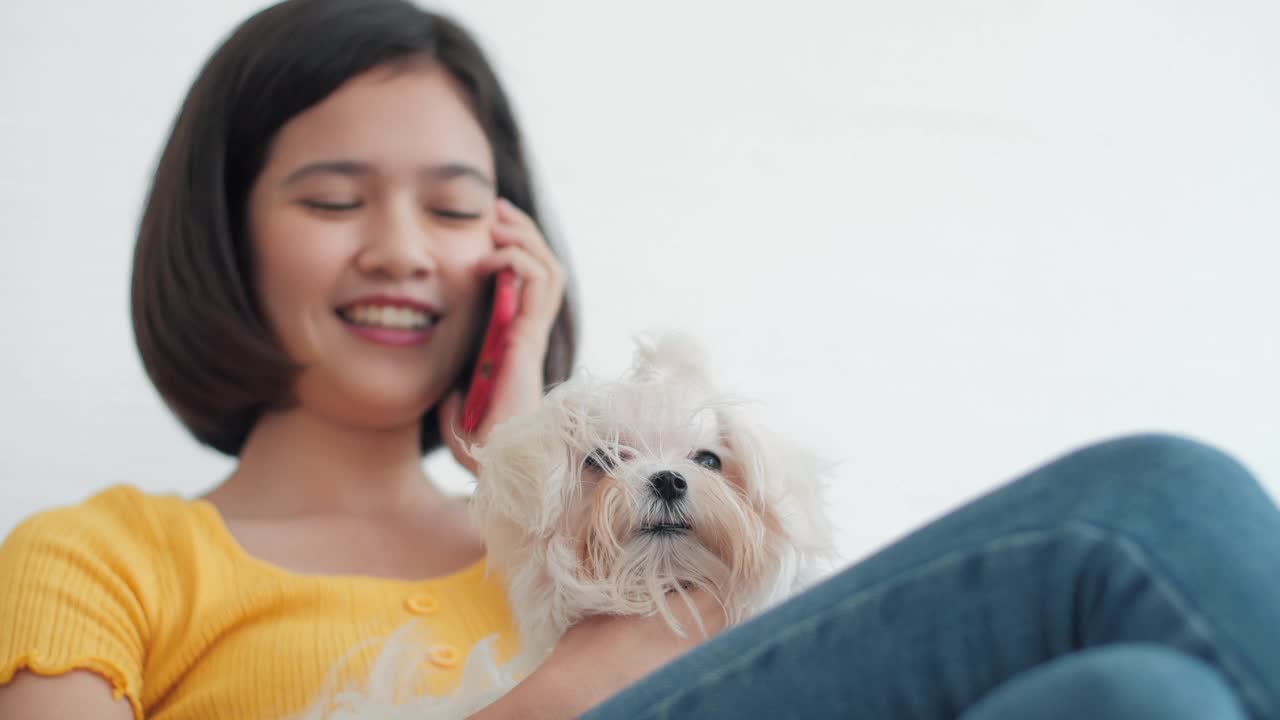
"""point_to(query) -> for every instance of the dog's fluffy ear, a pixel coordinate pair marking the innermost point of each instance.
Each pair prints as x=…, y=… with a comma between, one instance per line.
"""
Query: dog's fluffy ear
x=791, y=483
x=519, y=478
x=527, y=471
x=669, y=356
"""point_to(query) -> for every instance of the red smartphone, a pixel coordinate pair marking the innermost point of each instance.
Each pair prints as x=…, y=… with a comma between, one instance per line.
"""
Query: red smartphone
x=492, y=351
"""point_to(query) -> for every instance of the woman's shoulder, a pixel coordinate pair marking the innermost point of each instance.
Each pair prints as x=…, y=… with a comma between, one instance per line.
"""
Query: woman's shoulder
x=122, y=530
x=121, y=513
x=90, y=585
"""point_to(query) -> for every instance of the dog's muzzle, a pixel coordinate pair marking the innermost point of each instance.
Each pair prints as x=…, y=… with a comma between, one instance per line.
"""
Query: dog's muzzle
x=669, y=486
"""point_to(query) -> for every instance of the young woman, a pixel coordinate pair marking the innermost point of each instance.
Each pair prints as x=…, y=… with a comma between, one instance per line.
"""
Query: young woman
x=311, y=282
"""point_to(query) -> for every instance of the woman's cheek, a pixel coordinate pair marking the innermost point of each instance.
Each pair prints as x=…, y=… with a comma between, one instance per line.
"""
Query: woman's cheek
x=300, y=266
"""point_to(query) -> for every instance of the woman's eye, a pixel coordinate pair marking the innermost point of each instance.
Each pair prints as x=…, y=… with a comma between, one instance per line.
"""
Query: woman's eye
x=448, y=214
x=330, y=206
x=707, y=459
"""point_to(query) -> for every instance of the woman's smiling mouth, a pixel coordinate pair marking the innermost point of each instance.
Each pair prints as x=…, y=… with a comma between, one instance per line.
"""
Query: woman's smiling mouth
x=389, y=321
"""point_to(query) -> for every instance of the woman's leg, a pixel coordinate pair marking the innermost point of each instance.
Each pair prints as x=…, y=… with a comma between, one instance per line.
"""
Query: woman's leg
x=1113, y=682
x=1148, y=539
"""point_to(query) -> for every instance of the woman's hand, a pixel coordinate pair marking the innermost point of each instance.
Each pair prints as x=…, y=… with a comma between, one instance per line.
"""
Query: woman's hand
x=586, y=666
x=519, y=247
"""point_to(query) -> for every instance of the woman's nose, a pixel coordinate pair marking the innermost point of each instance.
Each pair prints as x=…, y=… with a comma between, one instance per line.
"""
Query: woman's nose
x=398, y=248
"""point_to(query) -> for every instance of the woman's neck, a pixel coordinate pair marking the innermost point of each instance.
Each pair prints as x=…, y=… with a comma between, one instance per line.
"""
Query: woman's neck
x=296, y=463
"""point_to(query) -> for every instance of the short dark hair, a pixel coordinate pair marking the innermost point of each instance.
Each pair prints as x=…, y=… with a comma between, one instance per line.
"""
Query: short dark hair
x=199, y=327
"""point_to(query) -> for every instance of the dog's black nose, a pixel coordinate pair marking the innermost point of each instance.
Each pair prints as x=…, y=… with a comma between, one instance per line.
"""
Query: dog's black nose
x=668, y=485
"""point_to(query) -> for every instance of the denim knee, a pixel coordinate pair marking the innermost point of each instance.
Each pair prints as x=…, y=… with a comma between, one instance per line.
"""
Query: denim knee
x=1165, y=471
x=1135, y=681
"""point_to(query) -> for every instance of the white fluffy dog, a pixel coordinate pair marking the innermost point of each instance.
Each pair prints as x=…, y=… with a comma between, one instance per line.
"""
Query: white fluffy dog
x=616, y=496
x=619, y=496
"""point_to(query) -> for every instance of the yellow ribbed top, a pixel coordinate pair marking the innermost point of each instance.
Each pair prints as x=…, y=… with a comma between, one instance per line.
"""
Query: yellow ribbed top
x=153, y=593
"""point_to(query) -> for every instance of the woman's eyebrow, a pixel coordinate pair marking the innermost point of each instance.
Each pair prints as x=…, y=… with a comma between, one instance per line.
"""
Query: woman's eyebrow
x=349, y=168
x=449, y=171
x=352, y=168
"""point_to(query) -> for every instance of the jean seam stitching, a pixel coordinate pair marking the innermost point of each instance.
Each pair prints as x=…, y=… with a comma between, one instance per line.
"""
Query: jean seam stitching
x=1198, y=623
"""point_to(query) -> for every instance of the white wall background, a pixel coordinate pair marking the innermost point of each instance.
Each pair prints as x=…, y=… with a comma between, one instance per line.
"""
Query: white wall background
x=942, y=240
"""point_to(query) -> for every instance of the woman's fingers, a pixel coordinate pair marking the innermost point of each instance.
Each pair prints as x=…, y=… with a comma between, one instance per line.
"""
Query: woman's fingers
x=518, y=385
x=521, y=249
x=508, y=212
x=514, y=228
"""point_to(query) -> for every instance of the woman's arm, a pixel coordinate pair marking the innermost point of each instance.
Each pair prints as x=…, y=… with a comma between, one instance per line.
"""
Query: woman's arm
x=599, y=657
x=77, y=694
x=74, y=620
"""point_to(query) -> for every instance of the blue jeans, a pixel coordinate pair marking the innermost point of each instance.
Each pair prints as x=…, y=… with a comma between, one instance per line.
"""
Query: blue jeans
x=1138, y=578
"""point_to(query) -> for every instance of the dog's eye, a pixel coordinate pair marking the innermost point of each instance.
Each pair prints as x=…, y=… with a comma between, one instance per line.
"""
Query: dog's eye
x=707, y=459
x=599, y=460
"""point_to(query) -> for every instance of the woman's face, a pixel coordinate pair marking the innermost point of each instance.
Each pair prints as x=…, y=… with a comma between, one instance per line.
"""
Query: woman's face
x=367, y=220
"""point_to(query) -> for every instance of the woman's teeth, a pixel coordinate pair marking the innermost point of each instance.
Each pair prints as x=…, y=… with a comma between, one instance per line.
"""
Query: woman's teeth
x=399, y=318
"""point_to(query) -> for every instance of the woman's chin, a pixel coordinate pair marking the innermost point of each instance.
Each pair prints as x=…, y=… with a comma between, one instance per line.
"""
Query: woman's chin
x=378, y=401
